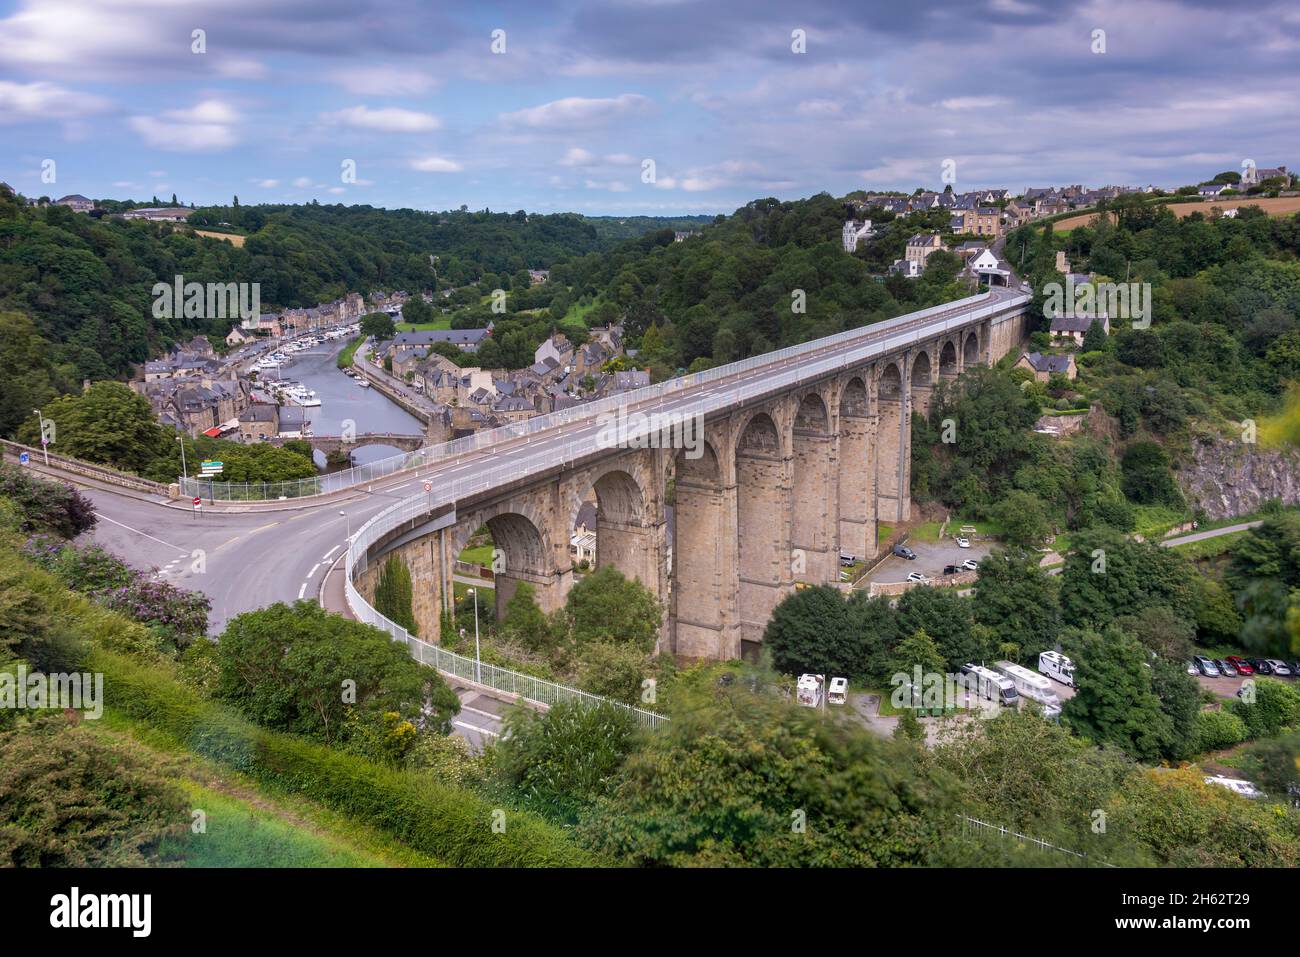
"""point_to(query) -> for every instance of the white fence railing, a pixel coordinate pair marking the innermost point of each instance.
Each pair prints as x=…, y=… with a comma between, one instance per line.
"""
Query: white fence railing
x=530, y=461
x=965, y=310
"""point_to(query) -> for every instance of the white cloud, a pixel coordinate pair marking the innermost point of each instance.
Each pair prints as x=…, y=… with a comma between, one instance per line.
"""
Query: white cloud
x=612, y=185
x=577, y=112
x=26, y=101
x=385, y=81
x=435, y=164
x=578, y=157
x=973, y=102
x=388, y=119
x=208, y=125
x=265, y=183
x=302, y=182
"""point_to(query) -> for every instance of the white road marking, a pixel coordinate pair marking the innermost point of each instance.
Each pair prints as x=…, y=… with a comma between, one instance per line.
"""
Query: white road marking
x=302, y=589
x=313, y=571
x=326, y=556
x=466, y=726
x=138, y=532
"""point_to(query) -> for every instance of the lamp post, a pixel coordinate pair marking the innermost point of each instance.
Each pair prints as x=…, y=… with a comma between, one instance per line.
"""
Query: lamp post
x=478, y=660
x=349, y=522
x=185, y=475
x=45, y=445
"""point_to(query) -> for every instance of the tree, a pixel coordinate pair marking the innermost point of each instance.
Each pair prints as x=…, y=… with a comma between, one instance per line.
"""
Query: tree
x=1016, y=598
x=416, y=311
x=808, y=632
x=745, y=779
x=524, y=620
x=1022, y=517
x=1094, y=340
x=1114, y=702
x=562, y=760
x=948, y=619
x=614, y=670
x=378, y=325
x=1274, y=765
x=299, y=668
x=108, y=424
x=606, y=606
x=918, y=650
x=393, y=594
x=1147, y=479
x=1107, y=575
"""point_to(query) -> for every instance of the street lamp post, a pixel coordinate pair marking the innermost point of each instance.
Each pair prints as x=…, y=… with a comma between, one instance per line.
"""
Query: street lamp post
x=349, y=521
x=45, y=445
x=185, y=475
x=478, y=659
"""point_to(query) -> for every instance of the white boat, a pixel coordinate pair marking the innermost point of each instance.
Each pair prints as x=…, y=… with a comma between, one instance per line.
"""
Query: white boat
x=363, y=382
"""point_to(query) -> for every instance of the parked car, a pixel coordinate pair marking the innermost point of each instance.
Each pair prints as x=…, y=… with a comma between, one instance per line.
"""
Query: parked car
x=1205, y=666
x=951, y=569
x=1261, y=666
x=1280, y=668
x=970, y=565
x=1225, y=667
x=1295, y=668
x=902, y=551
x=847, y=560
x=1241, y=664
x=917, y=577
x=963, y=541
x=1191, y=667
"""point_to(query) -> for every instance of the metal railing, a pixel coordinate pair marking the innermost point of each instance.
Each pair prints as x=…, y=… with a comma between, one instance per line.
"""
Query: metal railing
x=88, y=469
x=973, y=825
x=362, y=474
x=529, y=462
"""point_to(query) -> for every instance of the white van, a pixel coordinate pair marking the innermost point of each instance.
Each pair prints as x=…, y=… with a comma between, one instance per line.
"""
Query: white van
x=991, y=685
x=1033, y=686
x=1057, y=667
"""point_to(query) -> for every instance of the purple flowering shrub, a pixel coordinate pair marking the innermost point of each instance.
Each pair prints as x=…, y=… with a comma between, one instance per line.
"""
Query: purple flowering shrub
x=176, y=614
x=46, y=506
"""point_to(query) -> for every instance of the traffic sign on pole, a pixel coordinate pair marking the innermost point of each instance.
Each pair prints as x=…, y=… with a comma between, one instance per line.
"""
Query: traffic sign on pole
x=198, y=502
x=23, y=458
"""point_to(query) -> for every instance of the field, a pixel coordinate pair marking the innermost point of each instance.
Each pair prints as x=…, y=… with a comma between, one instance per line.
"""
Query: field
x=1281, y=206
x=231, y=238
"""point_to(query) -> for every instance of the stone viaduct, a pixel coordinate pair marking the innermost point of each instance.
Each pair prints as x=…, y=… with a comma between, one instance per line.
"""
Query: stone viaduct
x=781, y=486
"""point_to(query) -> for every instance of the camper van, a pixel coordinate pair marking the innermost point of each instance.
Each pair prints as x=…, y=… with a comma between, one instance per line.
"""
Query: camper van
x=838, y=692
x=1033, y=686
x=1057, y=667
x=992, y=685
x=809, y=690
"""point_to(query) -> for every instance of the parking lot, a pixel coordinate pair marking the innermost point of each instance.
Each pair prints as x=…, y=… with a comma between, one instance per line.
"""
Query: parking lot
x=931, y=557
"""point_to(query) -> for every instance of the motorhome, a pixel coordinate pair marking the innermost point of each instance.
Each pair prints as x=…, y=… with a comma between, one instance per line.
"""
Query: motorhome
x=1033, y=686
x=1057, y=667
x=838, y=692
x=809, y=690
x=991, y=685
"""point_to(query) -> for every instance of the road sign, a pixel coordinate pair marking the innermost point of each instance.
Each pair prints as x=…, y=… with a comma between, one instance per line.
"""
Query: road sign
x=24, y=458
x=428, y=486
x=198, y=502
x=211, y=465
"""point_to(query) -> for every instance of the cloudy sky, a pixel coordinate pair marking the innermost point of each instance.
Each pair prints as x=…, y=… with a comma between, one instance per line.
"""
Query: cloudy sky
x=406, y=103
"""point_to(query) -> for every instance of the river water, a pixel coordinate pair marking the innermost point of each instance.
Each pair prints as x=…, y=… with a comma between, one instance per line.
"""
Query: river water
x=342, y=399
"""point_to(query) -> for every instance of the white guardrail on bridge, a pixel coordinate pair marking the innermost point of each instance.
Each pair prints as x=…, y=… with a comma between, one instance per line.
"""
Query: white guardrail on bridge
x=529, y=462
x=362, y=474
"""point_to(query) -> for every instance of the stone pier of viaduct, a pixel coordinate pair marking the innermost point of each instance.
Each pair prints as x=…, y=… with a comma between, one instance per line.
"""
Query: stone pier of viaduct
x=781, y=487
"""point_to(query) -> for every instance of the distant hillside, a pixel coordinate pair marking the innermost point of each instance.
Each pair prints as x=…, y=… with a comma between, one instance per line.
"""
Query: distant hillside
x=633, y=227
x=76, y=291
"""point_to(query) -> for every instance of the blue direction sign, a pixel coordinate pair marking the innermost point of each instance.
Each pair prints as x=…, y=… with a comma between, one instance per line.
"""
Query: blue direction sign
x=24, y=458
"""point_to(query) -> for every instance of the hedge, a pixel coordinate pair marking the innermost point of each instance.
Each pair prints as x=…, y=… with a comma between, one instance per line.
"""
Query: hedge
x=453, y=825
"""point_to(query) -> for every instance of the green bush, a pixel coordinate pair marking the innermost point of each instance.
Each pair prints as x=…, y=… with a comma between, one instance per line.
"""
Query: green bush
x=1218, y=729
x=1276, y=706
x=453, y=825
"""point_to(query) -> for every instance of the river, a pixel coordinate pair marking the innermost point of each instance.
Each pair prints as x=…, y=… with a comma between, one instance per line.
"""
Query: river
x=342, y=399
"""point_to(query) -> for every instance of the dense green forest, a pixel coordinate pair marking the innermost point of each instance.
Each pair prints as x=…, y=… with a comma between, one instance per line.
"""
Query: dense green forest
x=632, y=227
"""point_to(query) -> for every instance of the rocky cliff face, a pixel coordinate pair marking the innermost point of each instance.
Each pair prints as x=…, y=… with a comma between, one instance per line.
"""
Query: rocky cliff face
x=1228, y=478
